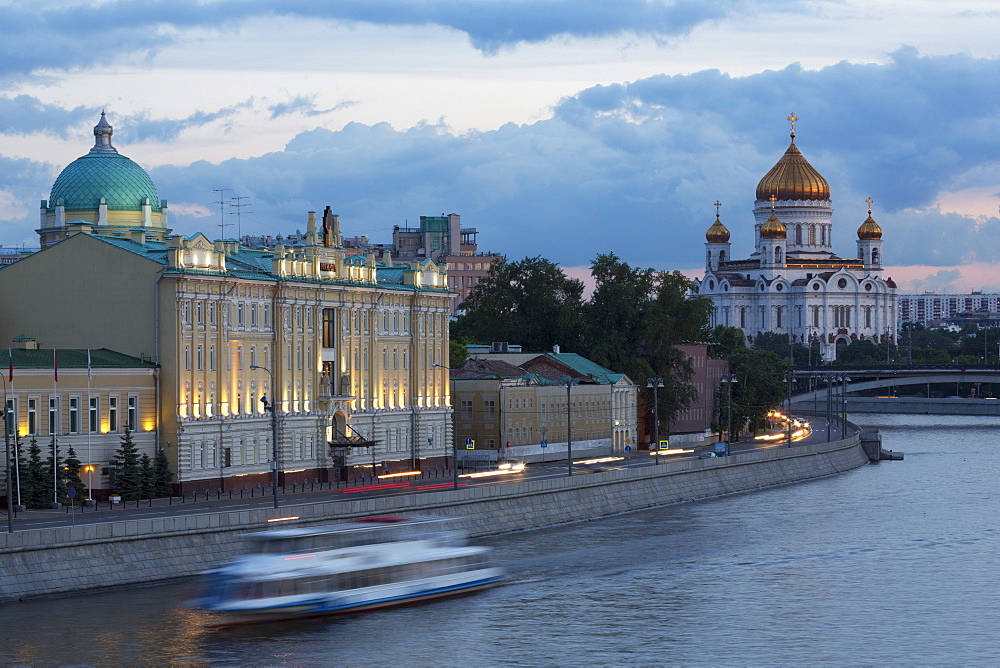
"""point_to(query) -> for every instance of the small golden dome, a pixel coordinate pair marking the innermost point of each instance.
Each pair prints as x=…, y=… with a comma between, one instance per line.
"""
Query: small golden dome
x=773, y=229
x=717, y=233
x=793, y=178
x=869, y=230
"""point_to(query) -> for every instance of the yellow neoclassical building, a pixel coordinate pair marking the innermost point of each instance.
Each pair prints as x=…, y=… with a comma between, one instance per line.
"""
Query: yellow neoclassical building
x=352, y=352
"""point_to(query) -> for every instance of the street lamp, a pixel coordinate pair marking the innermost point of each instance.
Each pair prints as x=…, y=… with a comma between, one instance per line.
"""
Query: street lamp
x=6, y=440
x=271, y=406
x=729, y=379
x=656, y=384
x=569, y=427
x=790, y=378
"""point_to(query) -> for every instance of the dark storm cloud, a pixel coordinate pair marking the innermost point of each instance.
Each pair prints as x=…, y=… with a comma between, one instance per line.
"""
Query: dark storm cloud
x=87, y=35
x=635, y=168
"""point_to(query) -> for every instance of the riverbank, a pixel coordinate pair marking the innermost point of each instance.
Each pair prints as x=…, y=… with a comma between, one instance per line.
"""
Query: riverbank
x=130, y=553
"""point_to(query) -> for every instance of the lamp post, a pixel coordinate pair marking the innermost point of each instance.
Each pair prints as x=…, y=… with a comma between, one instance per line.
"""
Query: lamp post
x=729, y=379
x=569, y=427
x=656, y=384
x=789, y=379
x=454, y=427
x=6, y=440
x=271, y=406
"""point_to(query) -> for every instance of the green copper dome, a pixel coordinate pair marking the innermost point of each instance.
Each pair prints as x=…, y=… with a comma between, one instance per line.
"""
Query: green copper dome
x=103, y=173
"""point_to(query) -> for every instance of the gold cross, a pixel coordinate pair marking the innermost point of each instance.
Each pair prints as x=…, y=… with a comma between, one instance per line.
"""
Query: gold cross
x=717, y=205
x=774, y=198
x=791, y=119
x=870, y=201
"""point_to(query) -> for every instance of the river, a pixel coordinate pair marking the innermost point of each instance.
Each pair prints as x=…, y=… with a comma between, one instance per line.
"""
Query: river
x=894, y=563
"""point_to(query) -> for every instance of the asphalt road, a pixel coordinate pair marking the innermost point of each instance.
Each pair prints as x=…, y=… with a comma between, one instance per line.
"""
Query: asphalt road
x=43, y=519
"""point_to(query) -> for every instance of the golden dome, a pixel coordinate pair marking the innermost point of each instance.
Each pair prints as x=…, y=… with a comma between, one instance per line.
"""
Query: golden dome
x=773, y=229
x=717, y=233
x=793, y=178
x=869, y=230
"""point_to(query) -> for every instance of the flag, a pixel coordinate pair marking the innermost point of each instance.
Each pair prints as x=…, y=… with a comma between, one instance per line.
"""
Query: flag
x=90, y=371
x=10, y=365
x=55, y=366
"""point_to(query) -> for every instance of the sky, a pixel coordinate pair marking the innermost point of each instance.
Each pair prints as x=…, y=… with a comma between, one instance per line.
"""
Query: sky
x=560, y=128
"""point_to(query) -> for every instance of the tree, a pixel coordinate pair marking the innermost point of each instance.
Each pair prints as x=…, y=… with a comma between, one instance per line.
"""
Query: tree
x=72, y=474
x=725, y=341
x=36, y=490
x=778, y=344
x=760, y=385
x=55, y=473
x=145, y=477
x=457, y=354
x=128, y=480
x=531, y=302
x=162, y=477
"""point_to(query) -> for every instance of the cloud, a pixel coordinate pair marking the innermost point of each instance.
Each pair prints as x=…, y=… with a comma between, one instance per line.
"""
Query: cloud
x=87, y=34
x=634, y=168
x=306, y=106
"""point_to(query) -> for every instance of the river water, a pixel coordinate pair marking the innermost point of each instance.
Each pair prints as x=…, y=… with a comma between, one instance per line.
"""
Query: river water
x=894, y=563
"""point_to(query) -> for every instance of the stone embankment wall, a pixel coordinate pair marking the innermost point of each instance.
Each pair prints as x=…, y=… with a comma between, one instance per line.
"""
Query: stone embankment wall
x=919, y=406
x=125, y=553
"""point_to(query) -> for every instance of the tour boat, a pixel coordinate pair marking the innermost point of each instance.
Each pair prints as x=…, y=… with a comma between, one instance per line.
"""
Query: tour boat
x=364, y=564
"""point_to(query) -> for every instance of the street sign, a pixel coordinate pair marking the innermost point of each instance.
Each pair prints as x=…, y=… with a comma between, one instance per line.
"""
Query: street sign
x=469, y=441
x=665, y=445
x=70, y=492
x=470, y=444
x=628, y=440
x=628, y=448
x=545, y=443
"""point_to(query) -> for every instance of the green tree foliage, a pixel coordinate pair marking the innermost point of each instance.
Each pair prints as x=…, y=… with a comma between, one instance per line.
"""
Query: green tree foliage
x=863, y=352
x=929, y=346
x=725, y=341
x=162, y=477
x=71, y=474
x=778, y=344
x=128, y=476
x=146, y=479
x=56, y=473
x=457, y=353
x=36, y=489
x=530, y=302
x=760, y=386
x=634, y=320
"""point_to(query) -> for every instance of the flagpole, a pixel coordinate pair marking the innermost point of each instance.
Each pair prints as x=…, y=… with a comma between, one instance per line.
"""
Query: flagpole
x=17, y=444
x=54, y=425
x=90, y=468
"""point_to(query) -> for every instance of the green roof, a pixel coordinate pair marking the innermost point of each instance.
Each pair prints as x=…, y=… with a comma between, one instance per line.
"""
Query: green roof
x=74, y=358
x=122, y=183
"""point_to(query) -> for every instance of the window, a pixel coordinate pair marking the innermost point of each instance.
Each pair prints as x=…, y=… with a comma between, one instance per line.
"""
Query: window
x=253, y=356
x=211, y=314
x=94, y=424
x=466, y=409
x=489, y=409
x=240, y=317
x=187, y=358
x=253, y=315
x=133, y=412
x=32, y=417
x=74, y=415
x=53, y=414
x=200, y=358
x=199, y=313
x=112, y=414
x=11, y=417
x=329, y=332
x=211, y=358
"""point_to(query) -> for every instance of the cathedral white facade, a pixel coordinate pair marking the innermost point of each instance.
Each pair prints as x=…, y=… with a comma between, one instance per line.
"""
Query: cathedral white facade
x=793, y=283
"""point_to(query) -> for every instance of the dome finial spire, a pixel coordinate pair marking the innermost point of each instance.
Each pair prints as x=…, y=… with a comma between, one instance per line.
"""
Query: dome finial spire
x=717, y=205
x=102, y=136
x=870, y=201
x=791, y=119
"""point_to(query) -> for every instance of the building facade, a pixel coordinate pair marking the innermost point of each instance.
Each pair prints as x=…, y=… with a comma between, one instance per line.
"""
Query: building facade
x=348, y=350
x=793, y=283
x=930, y=308
x=518, y=403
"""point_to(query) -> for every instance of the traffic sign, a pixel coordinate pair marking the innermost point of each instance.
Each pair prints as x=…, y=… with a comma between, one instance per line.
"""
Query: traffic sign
x=545, y=443
x=665, y=445
x=470, y=444
x=628, y=448
x=70, y=492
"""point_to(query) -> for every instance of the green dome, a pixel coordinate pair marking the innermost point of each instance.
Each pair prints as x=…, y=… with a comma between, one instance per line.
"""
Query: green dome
x=121, y=182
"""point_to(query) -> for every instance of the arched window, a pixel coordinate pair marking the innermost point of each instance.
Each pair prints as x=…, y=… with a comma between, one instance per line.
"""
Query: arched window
x=798, y=234
x=875, y=258
x=722, y=256
x=777, y=255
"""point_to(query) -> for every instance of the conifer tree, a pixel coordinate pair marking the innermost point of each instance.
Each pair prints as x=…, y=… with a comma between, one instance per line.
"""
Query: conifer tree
x=128, y=480
x=35, y=493
x=145, y=477
x=162, y=477
x=20, y=469
x=56, y=475
x=72, y=474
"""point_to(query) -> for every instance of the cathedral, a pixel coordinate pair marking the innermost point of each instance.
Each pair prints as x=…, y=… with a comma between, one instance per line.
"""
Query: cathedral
x=793, y=283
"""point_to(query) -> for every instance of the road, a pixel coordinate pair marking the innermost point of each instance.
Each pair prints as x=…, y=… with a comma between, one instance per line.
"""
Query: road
x=44, y=519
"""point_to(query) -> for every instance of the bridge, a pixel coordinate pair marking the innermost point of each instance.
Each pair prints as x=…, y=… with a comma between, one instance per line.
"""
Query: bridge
x=815, y=384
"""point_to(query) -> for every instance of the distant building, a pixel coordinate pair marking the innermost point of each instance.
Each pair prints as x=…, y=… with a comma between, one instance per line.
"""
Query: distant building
x=514, y=407
x=694, y=424
x=438, y=238
x=929, y=308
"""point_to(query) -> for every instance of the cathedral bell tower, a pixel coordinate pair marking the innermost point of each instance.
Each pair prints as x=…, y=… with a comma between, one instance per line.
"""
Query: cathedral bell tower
x=870, y=242
x=717, y=244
